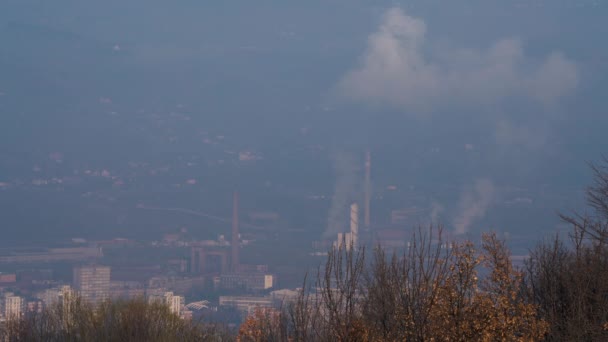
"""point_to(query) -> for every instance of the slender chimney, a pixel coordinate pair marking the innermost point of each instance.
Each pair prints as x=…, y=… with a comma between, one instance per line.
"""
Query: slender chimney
x=234, y=244
x=368, y=188
x=354, y=224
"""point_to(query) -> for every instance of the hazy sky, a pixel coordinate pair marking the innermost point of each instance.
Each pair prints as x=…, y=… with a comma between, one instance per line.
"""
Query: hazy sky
x=518, y=71
x=484, y=92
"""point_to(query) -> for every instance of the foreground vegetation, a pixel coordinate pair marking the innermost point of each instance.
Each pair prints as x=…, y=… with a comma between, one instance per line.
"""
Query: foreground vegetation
x=133, y=320
x=432, y=293
x=437, y=290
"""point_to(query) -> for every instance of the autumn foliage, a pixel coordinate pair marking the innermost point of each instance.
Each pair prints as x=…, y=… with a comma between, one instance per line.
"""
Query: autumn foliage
x=262, y=325
x=433, y=292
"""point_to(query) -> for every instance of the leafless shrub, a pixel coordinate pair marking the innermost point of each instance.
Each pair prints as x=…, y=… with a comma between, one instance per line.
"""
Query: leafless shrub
x=568, y=280
x=134, y=320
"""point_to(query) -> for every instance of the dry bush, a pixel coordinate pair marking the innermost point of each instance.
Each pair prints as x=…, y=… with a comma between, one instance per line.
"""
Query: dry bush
x=568, y=280
x=134, y=320
x=338, y=294
x=263, y=325
x=401, y=292
x=510, y=315
x=431, y=292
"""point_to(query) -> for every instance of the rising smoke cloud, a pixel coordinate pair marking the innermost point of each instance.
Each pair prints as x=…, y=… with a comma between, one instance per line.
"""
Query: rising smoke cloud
x=398, y=71
x=473, y=204
x=345, y=191
x=436, y=212
x=509, y=134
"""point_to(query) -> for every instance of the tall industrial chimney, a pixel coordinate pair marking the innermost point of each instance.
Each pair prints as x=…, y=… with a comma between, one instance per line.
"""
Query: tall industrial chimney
x=234, y=244
x=368, y=188
x=354, y=224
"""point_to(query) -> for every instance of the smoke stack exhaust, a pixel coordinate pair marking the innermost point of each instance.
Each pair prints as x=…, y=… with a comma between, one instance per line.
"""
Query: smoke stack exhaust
x=368, y=188
x=234, y=244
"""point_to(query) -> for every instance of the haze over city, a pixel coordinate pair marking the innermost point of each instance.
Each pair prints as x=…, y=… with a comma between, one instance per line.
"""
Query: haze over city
x=205, y=148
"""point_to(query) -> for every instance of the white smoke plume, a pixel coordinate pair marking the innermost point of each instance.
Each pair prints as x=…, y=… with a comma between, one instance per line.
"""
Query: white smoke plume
x=400, y=70
x=473, y=204
x=346, y=191
x=509, y=134
x=436, y=212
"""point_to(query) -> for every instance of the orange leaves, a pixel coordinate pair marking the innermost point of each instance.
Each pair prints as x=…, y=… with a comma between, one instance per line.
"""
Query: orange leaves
x=260, y=325
x=435, y=291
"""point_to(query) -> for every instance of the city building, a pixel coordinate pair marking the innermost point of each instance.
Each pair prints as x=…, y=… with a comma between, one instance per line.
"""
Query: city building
x=177, y=284
x=34, y=255
x=49, y=297
x=56, y=295
x=13, y=306
x=284, y=296
x=34, y=306
x=168, y=298
x=246, y=281
x=127, y=290
x=246, y=304
x=409, y=217
x=92, y=283
x=66, y=295
x=7, y=279
x=209, y=260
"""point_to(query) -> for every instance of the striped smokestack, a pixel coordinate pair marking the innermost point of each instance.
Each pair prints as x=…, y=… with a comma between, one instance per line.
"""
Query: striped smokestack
x=368, y=188
x=354, y=224
x=234, y=244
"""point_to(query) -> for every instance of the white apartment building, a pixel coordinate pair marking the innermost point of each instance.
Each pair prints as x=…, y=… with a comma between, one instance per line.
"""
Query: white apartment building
x=13, y=306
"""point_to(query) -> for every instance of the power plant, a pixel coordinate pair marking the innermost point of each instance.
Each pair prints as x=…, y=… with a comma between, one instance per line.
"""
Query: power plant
x=352, y=238
x=223, y=266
